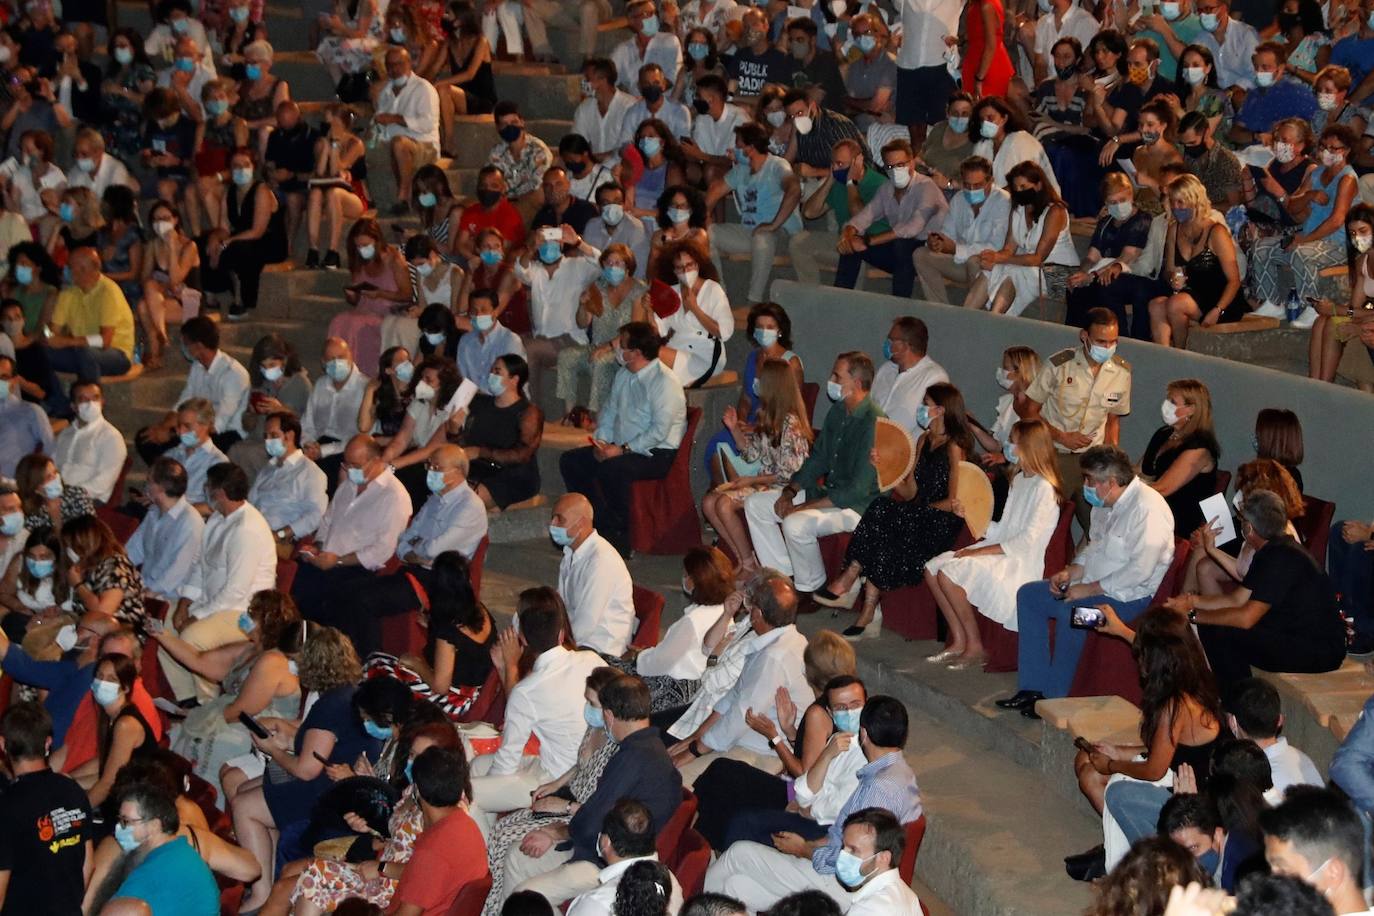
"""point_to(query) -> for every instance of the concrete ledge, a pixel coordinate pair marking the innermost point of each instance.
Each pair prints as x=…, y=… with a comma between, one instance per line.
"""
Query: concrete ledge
x=1319, y=709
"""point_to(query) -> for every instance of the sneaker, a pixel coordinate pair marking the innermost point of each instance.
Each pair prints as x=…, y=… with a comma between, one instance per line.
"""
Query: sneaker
x=1305, y=320
x=312, y=260
x=331, y=260
x=1270, y=310
x=237, y=312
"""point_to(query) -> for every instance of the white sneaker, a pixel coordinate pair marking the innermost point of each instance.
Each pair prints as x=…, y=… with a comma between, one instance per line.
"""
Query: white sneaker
x=1305, y=320
x=1270, y=310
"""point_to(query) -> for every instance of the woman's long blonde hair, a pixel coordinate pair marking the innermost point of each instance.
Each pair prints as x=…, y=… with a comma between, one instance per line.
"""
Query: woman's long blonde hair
x=1025, y=363
x=779, y=397
x=1197, y=396
x=1035, y=448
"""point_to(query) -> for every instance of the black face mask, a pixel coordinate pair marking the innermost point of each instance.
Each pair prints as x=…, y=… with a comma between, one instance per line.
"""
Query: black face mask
x=652, y=93
x=577, y=168
x=1195, y=150
x=1288, y=22
x=701, y=105
x=488, y=198
x=1025, y=197
x=1066, y=73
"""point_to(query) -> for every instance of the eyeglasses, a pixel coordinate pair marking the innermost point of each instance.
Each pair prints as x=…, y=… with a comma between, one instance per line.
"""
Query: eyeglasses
x=896, y=165
x=1327, y=148
x=130, y=821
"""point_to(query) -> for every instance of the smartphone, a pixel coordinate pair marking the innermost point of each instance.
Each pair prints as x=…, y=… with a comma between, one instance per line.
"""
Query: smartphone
x=1087, y=618
x=1083, y=744
x=254, y=726
x=924, y=169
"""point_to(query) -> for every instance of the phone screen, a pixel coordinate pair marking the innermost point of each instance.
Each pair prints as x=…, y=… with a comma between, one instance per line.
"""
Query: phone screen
x=1087, y=618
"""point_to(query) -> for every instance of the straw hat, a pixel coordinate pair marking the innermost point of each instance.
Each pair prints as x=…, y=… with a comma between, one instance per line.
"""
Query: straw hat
x=896, y=452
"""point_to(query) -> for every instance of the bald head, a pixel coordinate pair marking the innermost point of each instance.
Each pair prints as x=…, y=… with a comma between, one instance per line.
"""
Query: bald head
x=337, y=348
x=126, y=906
x=363, y=453
x=451, y=462
x=573, y=513
x=397, y=63
x=85, y=265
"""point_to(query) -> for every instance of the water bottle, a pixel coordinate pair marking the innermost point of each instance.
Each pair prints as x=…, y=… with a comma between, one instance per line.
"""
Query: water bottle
x=1293, y=306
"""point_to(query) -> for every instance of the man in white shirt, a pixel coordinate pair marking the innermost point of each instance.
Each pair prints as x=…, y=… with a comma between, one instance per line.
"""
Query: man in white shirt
x=774, y=662
x=637, y=434
x=359, y=533
x=1254, y=711
x=1317, y=837
x=95, y=168
x=600, y=117
x=237, y=560
x=331, y=414
x=1126, y=557
x=614, y=225
x=900, y=384
x=90, y=452
x=408, y=113
x=868, y=866
x=713, y=129
x=593, y=581
x=648, y=43
x=558, y=266
x=548, y=702
x=628, y=835
x=166, y=545
x=923, y=81
x=653, y=102
x=195, y=450
x=13, y=534
x=977, y=221
x=215, y=376
x=452, y=520
x=1231, y=42
x=290, y=490
x=1064, y=19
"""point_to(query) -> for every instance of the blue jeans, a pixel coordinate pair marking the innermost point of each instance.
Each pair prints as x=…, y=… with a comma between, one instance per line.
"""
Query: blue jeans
x=1036, y=606
x=1136, y=806
x=1352, y=575
x=89, y=363
x=893, y=257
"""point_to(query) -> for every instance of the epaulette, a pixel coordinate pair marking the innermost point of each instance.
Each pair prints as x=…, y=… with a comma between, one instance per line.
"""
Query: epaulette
x=1121, y=360
x=1062, y=357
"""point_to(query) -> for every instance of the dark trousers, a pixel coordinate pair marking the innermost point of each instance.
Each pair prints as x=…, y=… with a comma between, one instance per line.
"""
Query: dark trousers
x=358, y=610
x=1114, y=296
x=895, y=257
x=320, y=594
x=607, y=485
x=1352, y=575
x=32, y=363
x=726, y=788
x=759, y=824
x=1232, y=652
x=244, y=260
x=331, y=465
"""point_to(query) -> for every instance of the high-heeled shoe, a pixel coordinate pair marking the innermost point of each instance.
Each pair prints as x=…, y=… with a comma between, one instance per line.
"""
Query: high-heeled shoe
x=844, y=602
x=942, y=656
x=965, y=662
x=872, y=630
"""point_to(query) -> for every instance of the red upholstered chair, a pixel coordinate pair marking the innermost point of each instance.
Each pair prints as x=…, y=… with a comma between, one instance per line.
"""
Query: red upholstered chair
x=1314, y=528
x=490, y=706
x=117, y=494
x=670, y=836
x=810, y=391
x=402, y=634
x=471, y=898
x=122, y=525
x=475, y=565
x=915, y=833
x=649, y=614
x=286, y=575
x=1106, y=667
x=1223, y=480
x=693, y=858
x=230, y=898
x=663, y=513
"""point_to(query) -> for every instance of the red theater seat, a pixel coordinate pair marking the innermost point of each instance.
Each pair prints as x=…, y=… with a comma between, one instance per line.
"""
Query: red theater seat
x=663, y=513
x=649, y=613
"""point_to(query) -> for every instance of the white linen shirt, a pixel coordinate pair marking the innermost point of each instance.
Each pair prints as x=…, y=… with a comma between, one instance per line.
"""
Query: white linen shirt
x=1132, y=544
x=663, y=49
x=547, y=702
x=238, y=559
x=674, y=115
x=554, y=297
x=454, y=520
x=603, y=132
x=417, y=102
x=884, y=895
x=224, y=384
x=110, y=172
x=1078, y=23
x=1290, y=767
x=290, y=492
x=91, y=456
x=841, y=779
x=333, y=412
x=166, y=546
x=197, y=461
x=596, y=587
x=680, y=654
x=925, y=23
x=1233, y=55
x=774, y=660
x=21, y=180
x=646, y=410
x=600, y=900
x=974, y=233
x=369, y=523
x=899, y=393
x=717, y=138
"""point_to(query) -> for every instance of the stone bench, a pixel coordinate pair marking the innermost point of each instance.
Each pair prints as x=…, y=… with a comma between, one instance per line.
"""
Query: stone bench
x=1109, y=719
x=1319, y=709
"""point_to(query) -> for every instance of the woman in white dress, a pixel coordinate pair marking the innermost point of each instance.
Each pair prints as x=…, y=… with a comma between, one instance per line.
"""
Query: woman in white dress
x=435, y=281
x=698, y=330
x=1037, y=235
x=1002, y=139
x=985, y=577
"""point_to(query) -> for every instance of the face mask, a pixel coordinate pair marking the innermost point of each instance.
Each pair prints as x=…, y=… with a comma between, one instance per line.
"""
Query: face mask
x=1326, y=101
x=1121, y=209
x=11, y=524
x=246, y=623
x=496, y=385
x=88, y=411
x=23, y=274
x=848, y=869
x=1066, y=73
x=1237, y=500
x=698, y=51
x=559, y=535
x=123, y=55
x=550, y=252
x=612, y=214
x=86, y=165
x=41, y=569
x=765, y=337
x=687, y=278
x=272, y=373
x=594, y=717
x=366, y=252
x=866, y=43
x=491, y=257
x=435, y=481
x=1194, y=75
x=399, y=83
x=488, y=199
x=66, y=212
x=847, y=720
x=1361, y=243
x=239, y=13
x=510, y=132
x=1101, y=354
x=163, y=228
x=958, y=125
x=1210, y=21
x=923, y=416
x=988, y=129
x=1011, y=453
x=1138, y=76
x=803, y=124
x=424, y=268
x=357, y=477
x=651, y=94
x=424, y=391
x=1265, y=78
x=216, y=107
x=1284, y=152
x=887, y=348
x=427, y=199
x=650, y=146
x=4, y=390
x=1171, y=11
x=753, y=37
x=292, y=667
x=398, y=37
x=1090, y=495
x=975, y=196
x=833, y=390
x=409, y=770
x=276, y=446
x=483, y=323
x=1209, y=861
x=337, y=369
x=1182, y=214
x=13, y=328
x=1004, y=379
x=800, y=50
x=66, y=637
x=901, y=177
x=181, y=26
x=53, y=488
x=105, y=692
x=776, y=117
x=1149, y=137
x=72, y=557
x=253, y=72
x=124, y=836
x=838, y=8
x=1169, y=412
x=649, y=27
x=190, y=439
x=434, y=339
x=1332, y=159
x=754, y=387
x=840, y=176
x=679, y=216
x=185, y=65
x=613, y=274
x=376, y=731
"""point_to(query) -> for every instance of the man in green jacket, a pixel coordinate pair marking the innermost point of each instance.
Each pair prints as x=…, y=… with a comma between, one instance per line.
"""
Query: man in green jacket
x=830, y=491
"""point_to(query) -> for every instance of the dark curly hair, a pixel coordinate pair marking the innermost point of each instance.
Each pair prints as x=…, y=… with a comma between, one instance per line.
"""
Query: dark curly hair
x=644, y=890
x=1172, y=669
x=1141, y=881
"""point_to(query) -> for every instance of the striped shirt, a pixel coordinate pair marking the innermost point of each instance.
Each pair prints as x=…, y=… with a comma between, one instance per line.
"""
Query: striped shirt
x=886, y=783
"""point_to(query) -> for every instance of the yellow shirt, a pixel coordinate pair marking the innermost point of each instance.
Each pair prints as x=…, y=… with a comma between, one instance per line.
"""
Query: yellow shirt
x=1075, y=400
x=85, y=313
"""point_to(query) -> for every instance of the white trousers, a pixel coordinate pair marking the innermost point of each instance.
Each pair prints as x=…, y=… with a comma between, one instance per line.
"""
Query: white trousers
x=557, y=885
x=792, y=546
x=760, y=876
x=493, y=796
x=205, y=633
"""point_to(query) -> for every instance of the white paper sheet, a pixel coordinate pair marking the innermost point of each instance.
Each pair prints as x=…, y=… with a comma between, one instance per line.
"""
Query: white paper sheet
x=1217, y=512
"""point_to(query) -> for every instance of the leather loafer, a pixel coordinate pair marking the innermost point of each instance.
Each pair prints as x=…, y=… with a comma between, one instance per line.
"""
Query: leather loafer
x=1029, y=712
x=1020, y=700
x=1087, y=869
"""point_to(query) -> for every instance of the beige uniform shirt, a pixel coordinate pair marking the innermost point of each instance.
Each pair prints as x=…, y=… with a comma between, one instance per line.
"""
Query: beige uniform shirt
x=1072, y=399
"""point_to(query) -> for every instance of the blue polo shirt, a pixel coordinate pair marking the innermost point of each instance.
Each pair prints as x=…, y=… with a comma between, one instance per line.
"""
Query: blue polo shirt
x=65, y=682
x=174, y=881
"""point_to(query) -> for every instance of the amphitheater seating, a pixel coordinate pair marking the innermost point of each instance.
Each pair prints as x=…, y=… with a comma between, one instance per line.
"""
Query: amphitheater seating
x=648, y=617
x=663, y=513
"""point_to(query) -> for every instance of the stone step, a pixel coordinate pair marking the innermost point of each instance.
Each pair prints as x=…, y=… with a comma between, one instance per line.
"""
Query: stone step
x=309, y=80
x=540, y=95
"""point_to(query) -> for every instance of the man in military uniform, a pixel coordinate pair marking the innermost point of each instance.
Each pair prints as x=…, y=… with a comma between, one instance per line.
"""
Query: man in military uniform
x=1083, y=393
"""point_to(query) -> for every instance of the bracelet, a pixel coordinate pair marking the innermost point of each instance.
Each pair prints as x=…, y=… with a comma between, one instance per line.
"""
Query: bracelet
x=775, y=740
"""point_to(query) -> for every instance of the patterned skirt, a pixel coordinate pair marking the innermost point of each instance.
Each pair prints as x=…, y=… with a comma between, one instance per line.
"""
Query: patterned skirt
x=665, y=692
x=455, y=702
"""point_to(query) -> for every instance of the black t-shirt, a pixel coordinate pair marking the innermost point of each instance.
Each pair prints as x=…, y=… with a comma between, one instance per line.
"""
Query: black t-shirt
x=45, y=822
x=750, y=71
x=293, y=150
x=1301, y=603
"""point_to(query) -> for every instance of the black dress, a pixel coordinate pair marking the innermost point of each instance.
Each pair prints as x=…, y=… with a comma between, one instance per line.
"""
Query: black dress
x=1160, y=456
x=245, y=258
x=895, y=537
x=508, y=467
x=481, y=89
x=1206, y=281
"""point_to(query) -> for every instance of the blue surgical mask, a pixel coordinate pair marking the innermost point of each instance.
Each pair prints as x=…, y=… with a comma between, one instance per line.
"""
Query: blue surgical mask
x=1209, y=861
x=754, y=386
x=550, y=252
x=491, y=257
x=958, y=125
x=246, y=623
x=593, y=716
x=181, y=26
x=765, y=337
x=124, y=836
x=105, y=692
x=987, y=129
x=380, y=732
x=124, y=56
x=243, y=177
x=650, y=146
x=217, y=107
x=741, y=156
x=186, y=65
x=1264, y=78
x=841, y=176
x=405, y=372
x=367, y=252
x=53, y=488
x=238, y=13
x=612, y=214
x=337, y=369
x=1009, y=451
x=276, y=446
x=678, y=216
x=1101, y=354
x=975, y=196
x=357, y=477
x=427, y=198
x=847, y=869
x=1254, y=444
x=1091, y=497
x=11, y=524
x=1210, y=21
x=253, y=72
x=435, y=480
x=649, y=26
x=697, y=50
x=847, y=720
x=887, y=348
x=866, y=43
x=39, y=569
x=434, y=339
x=833, y=390
x=1182, y=214
x=409, y=770
x=272, y=373
x=483, y=323
x=190, y=439
x=496, y=385
x=1121, y=210
x=66, y=212
x=923, y=416
x=23, y=274
x=613, y=274
x=560, y=535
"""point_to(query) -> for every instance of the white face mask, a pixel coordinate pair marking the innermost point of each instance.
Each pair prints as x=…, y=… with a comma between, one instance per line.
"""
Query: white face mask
x=1169, y=412
x=688, y=278
x=1361, y=242
x=88, y=411
x=424, y=391
x=1004, y=379
x=901, y=177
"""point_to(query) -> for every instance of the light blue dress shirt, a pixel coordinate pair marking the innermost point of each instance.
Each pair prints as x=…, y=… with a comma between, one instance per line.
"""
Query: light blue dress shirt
x=646, y=410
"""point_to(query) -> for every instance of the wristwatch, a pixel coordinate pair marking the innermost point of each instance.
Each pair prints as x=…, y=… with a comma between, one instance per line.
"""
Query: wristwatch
x=775, y=740
x=1192, y=615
